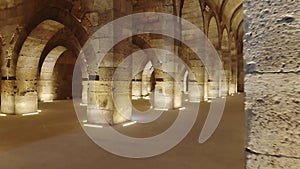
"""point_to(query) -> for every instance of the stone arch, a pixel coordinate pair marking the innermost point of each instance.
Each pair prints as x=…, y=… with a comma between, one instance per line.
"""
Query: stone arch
x=214, y=37
x=37, y=33
x=234, y=64
x=213, y=31
x=147, y=79
x=196, y=17
x=186, y=81
x=225, y=46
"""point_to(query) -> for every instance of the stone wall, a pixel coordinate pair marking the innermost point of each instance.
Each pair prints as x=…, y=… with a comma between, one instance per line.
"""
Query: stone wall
x=272, y=86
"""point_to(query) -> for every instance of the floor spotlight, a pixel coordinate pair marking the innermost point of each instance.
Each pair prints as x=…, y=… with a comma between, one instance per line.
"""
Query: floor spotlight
x=93, y=125
x=30, y=114
x=129, y=123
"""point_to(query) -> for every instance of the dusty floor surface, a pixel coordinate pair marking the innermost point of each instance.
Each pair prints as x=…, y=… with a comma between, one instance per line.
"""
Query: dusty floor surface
x=54, y=139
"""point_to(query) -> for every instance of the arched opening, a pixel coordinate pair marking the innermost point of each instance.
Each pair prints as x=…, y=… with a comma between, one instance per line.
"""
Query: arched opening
x=63, y=76
x=213, y=36
x=234, y=66
x=47, y=86
x=28, y=49
x=148, y=80
x=192, y=12
x=186, y=82
x=27, y=65
x=226, y=58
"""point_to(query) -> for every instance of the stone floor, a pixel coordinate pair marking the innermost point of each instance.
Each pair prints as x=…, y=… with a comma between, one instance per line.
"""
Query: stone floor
x=54, y=139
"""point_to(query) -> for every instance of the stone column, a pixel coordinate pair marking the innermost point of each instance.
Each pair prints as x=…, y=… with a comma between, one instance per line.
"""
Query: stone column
x=7, y=95
x=26, y=99
x=100, y=105
x=167, y=92
x=146, y=85
x=197, y=81
x=46, y=90
x=84, y=94
x=234, y=74
x=137, y=86
x=241, y=74
x=272, y=84
x=227, y=68
x=7, y=75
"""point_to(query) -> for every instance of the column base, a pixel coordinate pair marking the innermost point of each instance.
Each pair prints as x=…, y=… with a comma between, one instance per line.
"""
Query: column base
x=7, y=104
x=26, y=104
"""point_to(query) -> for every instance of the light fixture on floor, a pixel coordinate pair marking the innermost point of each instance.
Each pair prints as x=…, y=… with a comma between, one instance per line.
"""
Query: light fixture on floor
x=182, y=108
x=161, y=109
x=146, y=97
x=39, y=111
x=30, y=114
x=129, y=123
x=196, y=101
x=48, y=101
x=93, y=125
x=84, y=121
x=186, y=100
x=3, y=115
x=83, y=104
x=209, y=101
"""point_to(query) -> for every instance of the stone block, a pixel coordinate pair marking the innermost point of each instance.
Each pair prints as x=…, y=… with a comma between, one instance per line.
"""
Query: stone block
x=26, y=104
x=273, y=108
x=272, y=35
x=266, y=162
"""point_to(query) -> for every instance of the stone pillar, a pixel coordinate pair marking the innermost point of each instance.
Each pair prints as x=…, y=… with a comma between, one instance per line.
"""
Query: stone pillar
x=227, y=68
x=223, y=88
x=84, y=94
x=7, y=73
x=196, y=86
x=7, y=95
x=46, y=90
x=213, y=83
x=100, y=105
x=213, y=88
x=167, y=92
x=146, y=85
x=26, y=98
x=136, y=86
x=272, y=84
x=241, y=74
x=234, y=75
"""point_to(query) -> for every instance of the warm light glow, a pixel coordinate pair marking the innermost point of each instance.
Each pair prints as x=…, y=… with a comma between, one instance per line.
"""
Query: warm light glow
x=186, y=100
x=39, y=111
x=47, y=101
x=84, y=121
x=30, y=114
x=209, y=101
x=93, y=125
x=83, y=104
x=146, y=97
x=161, y=109
x=3, y=115
x=129, y=123
x=182, y=108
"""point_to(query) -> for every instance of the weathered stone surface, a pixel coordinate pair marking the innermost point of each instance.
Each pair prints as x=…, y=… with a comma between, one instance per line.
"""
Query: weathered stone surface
x=273, y=108
x=267, y=162
x=272, y=38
